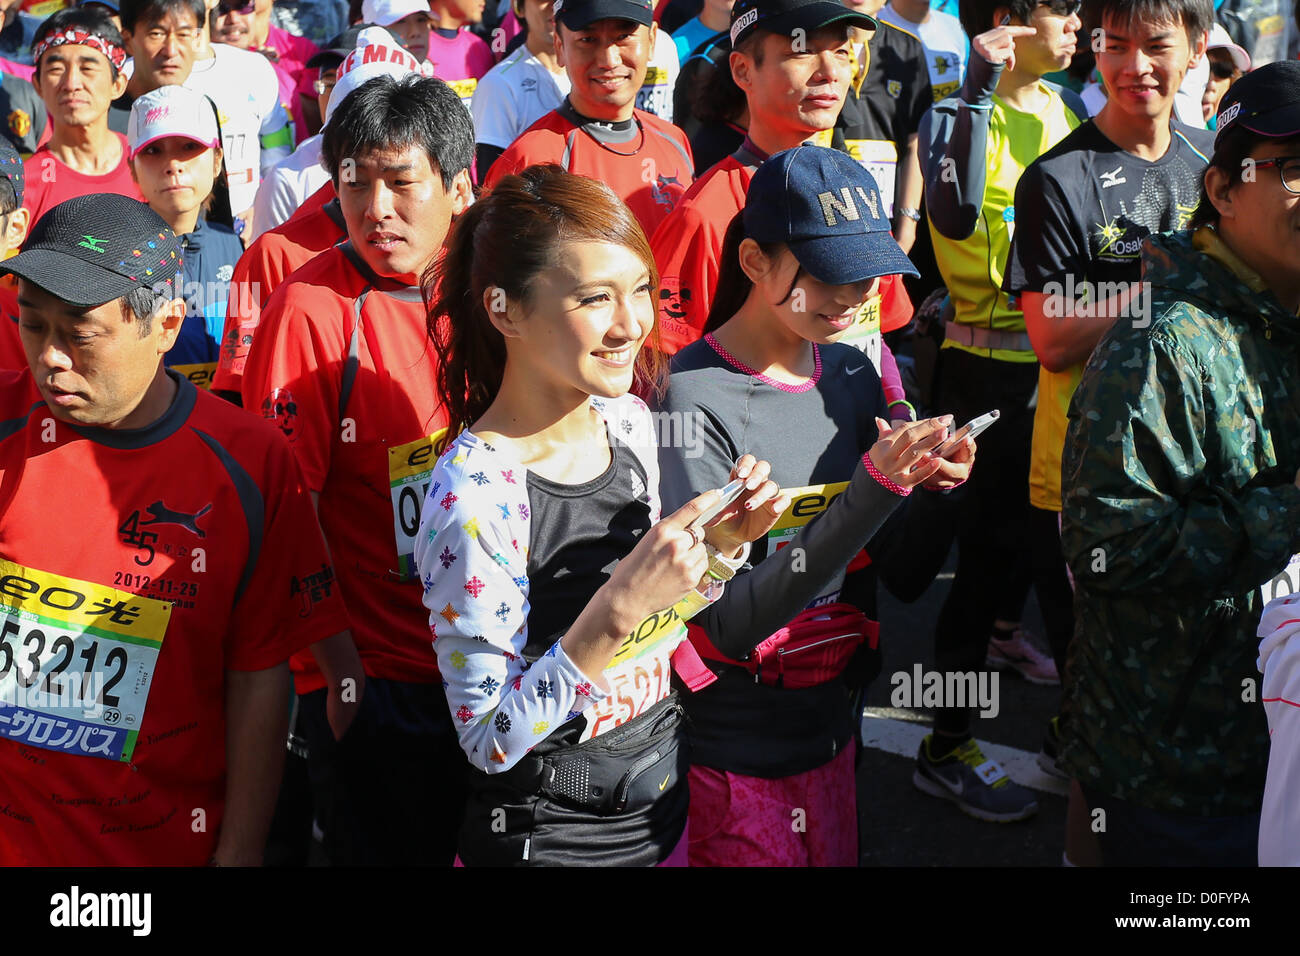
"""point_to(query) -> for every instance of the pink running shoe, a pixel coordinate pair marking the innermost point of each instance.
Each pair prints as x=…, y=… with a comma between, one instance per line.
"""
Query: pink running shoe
x=1018, y=653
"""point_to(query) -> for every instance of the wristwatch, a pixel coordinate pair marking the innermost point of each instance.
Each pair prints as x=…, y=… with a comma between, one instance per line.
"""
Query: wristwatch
x=909, y=212
x=724, y=569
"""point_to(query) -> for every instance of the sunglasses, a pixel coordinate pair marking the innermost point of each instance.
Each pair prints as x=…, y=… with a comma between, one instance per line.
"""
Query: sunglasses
x=1222, y=70
x=226, y=7
x=1062, y=8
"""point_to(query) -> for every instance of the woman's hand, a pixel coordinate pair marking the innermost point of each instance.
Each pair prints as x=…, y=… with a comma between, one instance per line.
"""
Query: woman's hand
x=954, y=467
x=668, y=561
x=903, y=455
x=751, y=515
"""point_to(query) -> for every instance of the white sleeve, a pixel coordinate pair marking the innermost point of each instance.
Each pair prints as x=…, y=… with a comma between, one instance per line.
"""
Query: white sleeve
x=1279, y=821
x=275, y=202
x=496, y=119
x=275, y=134
x=471, y=552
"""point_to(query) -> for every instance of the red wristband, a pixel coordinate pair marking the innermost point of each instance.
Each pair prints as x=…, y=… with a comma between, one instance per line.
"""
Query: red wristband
x=884, y=482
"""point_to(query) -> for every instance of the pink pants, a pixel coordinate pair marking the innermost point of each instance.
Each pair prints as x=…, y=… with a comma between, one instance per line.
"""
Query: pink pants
x=810, y=819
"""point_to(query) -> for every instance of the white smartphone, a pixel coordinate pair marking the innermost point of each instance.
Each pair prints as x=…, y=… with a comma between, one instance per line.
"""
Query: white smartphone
x=971, y=429
x=730, y=493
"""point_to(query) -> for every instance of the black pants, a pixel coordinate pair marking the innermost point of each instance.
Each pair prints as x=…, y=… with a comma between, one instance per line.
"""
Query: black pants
x=1136, y=836
x=990, y=511
x=393, y=790
x=1052, y=582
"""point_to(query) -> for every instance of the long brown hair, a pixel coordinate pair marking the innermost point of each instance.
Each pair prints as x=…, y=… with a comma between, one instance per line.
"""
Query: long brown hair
x=505, y=240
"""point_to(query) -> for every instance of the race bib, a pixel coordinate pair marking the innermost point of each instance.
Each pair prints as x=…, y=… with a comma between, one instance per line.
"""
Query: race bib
x=464, y=89
x=76, y=662
x=639, y=675
x=864, y=333
x=200, y=373
x=879, y=157
x=806, y=504
x=409, y=467
x=655, y=95
x=1285, y=583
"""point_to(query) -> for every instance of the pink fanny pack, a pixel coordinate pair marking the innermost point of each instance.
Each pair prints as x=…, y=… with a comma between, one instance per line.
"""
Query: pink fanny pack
x=812, y=649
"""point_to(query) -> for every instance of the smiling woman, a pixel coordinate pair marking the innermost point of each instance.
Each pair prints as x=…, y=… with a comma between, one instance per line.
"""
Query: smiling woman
x=556, y=595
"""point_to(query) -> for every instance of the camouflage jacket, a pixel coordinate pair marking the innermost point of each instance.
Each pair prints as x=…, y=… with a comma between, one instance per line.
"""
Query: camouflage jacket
x=1179, y=502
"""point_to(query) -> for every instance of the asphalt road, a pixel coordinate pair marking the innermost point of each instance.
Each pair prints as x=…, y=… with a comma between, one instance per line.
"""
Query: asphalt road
x=901, y=826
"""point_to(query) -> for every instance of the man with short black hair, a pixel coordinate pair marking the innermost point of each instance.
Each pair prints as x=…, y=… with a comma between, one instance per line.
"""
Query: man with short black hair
x=597, y=131
x=79, y=59
x=344, y=344
x=143, y=722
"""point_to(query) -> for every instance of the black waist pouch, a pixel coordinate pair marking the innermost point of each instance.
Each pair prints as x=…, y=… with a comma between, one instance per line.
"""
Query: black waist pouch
x=625, y=770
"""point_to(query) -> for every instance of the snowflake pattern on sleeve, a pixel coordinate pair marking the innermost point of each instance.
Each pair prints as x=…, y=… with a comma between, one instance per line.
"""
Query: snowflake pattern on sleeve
x=472, y=556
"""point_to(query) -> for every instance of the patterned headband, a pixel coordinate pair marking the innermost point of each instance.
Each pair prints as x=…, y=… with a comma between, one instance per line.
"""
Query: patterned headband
x=116, y=54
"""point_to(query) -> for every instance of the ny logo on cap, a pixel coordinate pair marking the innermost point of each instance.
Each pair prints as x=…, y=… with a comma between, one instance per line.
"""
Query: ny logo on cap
x=843, y=204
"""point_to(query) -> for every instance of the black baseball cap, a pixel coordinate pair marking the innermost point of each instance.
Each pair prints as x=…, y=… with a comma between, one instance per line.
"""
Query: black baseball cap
x=96, y=248
x=579, y=14
x=786, y=16
x=827, y=209
x=1265, y=101
x=337, y=49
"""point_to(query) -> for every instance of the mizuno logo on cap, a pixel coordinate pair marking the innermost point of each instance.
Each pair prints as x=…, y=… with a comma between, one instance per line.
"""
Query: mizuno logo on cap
x=843, y=204
x=746, y=19
x=1228, y=115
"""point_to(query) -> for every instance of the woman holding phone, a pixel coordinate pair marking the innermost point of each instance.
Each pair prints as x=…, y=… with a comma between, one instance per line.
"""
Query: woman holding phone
x=772, y=738
x=548, y=575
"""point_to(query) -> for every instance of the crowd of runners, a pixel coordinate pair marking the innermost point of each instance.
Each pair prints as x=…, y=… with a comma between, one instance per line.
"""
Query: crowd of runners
x=476, y=434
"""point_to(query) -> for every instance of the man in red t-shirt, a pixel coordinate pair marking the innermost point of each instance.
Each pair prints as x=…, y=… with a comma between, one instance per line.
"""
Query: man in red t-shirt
x=273, y=256
x=791, y=99
x=79, y=58
x=343, y=364
x=147, y=620
x=604, y=45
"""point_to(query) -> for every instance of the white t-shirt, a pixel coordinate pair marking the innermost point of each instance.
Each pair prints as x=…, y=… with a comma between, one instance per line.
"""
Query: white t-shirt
x=946, y=47
x=514, y=95
x=656, y=93
x=255, y=129
x=288, y=185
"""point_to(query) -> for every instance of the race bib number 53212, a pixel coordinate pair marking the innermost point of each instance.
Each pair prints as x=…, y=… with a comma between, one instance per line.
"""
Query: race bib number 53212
x=76, y=662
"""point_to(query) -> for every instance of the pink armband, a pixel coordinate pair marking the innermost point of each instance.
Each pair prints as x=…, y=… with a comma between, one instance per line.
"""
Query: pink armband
x=884, y=482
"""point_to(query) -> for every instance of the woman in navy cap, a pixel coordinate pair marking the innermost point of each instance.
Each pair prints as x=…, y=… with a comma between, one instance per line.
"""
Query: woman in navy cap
x=772, y=780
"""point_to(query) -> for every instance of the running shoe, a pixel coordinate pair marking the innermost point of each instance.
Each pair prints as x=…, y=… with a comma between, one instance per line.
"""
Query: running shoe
x=1049, y=756
x=978, y=785
x=1018, y=653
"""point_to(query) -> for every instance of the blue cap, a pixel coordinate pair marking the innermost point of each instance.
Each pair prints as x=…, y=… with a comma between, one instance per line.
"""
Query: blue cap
x=827, y=209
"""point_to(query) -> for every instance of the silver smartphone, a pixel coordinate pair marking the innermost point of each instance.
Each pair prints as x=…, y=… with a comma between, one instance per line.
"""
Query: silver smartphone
x=971, y=429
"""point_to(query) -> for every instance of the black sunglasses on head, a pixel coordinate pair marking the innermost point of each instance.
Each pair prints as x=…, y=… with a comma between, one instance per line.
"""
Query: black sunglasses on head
x=1062, y=8
x=225, y=7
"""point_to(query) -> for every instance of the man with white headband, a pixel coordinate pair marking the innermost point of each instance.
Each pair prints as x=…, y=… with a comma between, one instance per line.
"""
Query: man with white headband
x=78, y=50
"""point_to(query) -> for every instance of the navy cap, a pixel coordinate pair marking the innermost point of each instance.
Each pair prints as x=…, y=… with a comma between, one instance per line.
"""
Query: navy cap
x=785, y=16
x=95, y=248
x=1265, y=101
x=827, y=209
x=113, y=5
x=579, y=14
